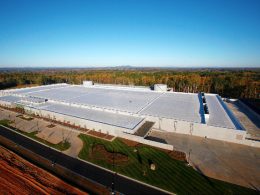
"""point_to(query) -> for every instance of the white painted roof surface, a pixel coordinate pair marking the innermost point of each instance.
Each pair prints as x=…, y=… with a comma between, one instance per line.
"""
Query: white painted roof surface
x=60, y=94
x=37, y=106
x=179, y=106
x=29, y=90
x=128, y=122
x=9, y=98
x=217, y=114
x=122, y=100
x=122, y=87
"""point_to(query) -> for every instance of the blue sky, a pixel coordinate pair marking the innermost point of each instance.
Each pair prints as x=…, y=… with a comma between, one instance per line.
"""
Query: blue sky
x=85, y=33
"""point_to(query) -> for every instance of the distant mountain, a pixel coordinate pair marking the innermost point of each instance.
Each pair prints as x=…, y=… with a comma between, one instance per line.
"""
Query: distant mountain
x=126, y=67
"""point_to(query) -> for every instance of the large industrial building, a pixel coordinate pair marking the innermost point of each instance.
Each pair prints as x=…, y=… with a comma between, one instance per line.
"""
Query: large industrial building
x=123, y=110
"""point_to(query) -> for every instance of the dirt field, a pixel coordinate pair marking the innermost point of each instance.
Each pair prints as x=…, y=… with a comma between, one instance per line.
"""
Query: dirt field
x=20, y=176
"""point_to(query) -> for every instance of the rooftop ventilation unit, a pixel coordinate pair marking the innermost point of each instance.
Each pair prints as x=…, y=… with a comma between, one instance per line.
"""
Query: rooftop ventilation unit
x=160, y=87
x=87, y=83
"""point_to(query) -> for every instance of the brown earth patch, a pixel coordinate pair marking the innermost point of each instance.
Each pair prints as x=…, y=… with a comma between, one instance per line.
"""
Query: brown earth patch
x=20, y=176
x=175, y=154
x=100, y=135
x=25, y=117
x=51, y=125
x=178, y=155
x=130, y=142
x=17, y=110
x=100, y=152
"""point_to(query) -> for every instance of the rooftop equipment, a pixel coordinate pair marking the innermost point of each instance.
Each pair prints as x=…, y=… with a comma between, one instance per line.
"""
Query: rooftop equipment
x=160, y=87
x=87, y=83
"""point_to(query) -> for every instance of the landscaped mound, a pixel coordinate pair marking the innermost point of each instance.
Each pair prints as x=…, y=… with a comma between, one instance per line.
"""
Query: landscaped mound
x=99, y=152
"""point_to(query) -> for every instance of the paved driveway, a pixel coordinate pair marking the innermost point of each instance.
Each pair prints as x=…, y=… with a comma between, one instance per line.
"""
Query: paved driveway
x=230, y=162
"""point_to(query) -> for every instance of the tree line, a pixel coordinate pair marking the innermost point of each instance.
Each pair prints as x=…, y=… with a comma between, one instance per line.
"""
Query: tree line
x=227, y=83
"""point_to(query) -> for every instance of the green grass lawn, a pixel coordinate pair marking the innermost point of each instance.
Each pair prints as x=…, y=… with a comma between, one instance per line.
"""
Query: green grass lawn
x=170, y=174
x=60, y=146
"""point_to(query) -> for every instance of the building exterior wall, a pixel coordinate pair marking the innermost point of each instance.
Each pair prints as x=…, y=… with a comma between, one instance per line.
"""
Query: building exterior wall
x=198, y=129
x=7, y=104
x=162, y=124
x=92, y=125
x=145, y=141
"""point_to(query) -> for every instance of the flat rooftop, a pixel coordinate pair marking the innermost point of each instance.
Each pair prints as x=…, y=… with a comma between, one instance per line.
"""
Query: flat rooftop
x=142, y=102
x=114, y=119
x=38, y=88
x=175, y=105
x=118, y=120
x=218, y=115
x=10, y=98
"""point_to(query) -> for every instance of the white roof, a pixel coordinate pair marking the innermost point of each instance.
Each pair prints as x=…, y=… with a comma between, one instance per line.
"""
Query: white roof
x=9, y=98
x=60, y=94
x=34, y=89
x=119, y=120
x=179, y=106
x=217, y=114
x=122, y=100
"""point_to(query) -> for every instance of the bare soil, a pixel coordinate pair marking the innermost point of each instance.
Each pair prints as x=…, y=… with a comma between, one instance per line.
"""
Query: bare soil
x=19, y=176
x=24, y=117
x=100, y=135
x=178, y=155
x=109, y=156
x=130, y=142
x=51, y=125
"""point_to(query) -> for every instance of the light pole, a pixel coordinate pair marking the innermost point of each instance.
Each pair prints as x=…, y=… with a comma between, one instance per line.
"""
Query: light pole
x=114, y=174
x=38, y=126
x=189, y=156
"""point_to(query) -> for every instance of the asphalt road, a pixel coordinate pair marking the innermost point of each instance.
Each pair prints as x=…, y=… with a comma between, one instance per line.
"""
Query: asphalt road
x=122, y=184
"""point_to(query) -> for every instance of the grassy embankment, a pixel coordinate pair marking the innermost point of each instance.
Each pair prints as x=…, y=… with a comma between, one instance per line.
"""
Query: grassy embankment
x=60, y=146
x=170, y=174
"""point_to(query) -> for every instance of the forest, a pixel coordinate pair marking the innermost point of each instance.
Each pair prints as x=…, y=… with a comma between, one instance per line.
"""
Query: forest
x=231, y=83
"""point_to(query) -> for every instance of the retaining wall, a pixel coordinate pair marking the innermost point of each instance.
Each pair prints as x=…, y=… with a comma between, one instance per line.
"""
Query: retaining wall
x=100, y=127
x=145, y=141
x=7, y=104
